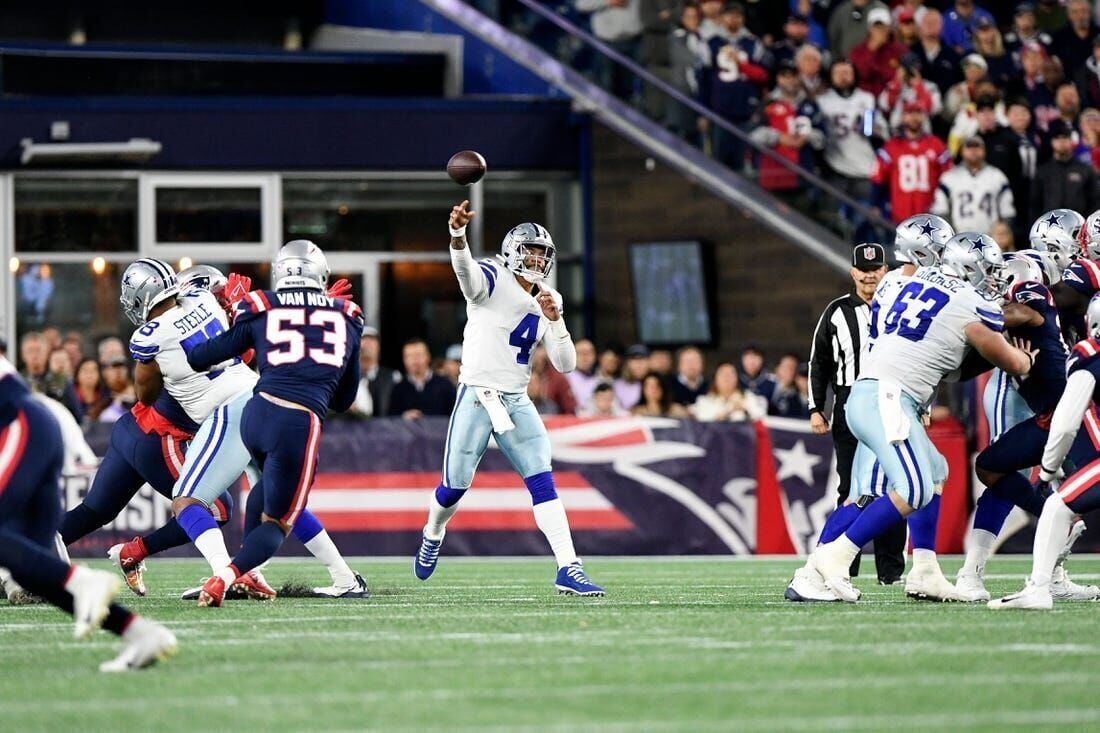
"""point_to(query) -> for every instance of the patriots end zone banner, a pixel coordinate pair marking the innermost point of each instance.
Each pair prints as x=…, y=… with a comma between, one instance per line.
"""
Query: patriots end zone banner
x=631, y=486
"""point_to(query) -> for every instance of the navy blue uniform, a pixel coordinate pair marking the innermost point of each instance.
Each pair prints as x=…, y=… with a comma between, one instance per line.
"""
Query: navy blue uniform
x=1079, y=491
x=307, y=350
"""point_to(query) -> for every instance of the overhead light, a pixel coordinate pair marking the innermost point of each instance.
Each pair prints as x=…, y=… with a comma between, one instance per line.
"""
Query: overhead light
x=136, y=149
x=185, y=263
x=99, y=265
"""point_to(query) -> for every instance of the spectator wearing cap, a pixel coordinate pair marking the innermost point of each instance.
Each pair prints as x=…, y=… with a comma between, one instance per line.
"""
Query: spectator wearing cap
x=909, y=85
x=787, y=400
x=688, y=55
x=960, y=22
x=628, y=386
x=839, y=342
x=421, y=392
x=690, y=381
x=848, y=25
x=796, y=32
x=376, y=382
x=974, y=195
x=877, y=58
x=1064, y=182
x=989, y=43
x=583, y=378
x=1073, y=43
x=790, y=124
x=753, y=376
x=1050, y=15
x=908, y=166
x=618, y=23
x=1087, y=78
x=1025, y=31
x=966, y=91
x=905, y=23
x=939, y=63
x=734, y=83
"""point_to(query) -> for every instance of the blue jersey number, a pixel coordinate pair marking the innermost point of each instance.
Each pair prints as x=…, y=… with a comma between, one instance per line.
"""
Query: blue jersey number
x=209, y=331
x=524, y=336
x=914, y=329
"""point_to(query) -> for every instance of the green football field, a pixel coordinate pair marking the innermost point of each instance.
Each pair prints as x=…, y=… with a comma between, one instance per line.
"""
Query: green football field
x=677, y=645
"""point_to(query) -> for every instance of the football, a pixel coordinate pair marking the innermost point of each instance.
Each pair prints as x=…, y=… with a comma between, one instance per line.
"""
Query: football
x=466, y=167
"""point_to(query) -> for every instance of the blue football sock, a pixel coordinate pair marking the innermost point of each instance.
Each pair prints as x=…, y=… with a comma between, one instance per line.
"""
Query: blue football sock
x=448, y=497
x=307, y=526
x=195, y=520
x=838, y=522
x=876, y=518
x=165, y=538
x=991, y=512
x=1019, y=491
x=258, y=547
x=541, y=486
x=922, y=525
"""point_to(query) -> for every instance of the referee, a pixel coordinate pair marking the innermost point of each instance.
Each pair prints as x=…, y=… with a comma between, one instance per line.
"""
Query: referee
x=840, y=339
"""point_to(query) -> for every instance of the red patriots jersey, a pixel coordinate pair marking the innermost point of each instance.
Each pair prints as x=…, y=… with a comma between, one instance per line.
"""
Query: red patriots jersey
x=912, y=168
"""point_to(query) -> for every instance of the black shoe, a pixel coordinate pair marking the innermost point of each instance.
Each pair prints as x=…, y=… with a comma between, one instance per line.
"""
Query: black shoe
x=894, y=580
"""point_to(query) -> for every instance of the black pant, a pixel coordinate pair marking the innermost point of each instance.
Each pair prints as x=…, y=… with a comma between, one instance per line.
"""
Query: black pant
x=890, y=545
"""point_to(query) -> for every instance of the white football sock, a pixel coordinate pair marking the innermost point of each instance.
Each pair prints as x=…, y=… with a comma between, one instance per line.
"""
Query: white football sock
x=324, y=549
x=211, y=544
x=77, y=575
x=62, y=550
x=438, y=516
x=1050, y=537
x=550, y=518
x=847, y=549
x=924, y=557
x=979, y=547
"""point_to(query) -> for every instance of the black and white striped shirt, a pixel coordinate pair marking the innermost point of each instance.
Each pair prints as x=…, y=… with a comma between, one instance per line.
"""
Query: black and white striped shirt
x=840, y=340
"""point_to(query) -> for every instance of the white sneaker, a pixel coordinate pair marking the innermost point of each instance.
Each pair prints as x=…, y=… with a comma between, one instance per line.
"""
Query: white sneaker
x=145, y=644
x=1032, y=597
x=831, y=563
x=808, y=587
x=926, y=582
x=970, y=587
x=92, y=592
x=357, y=588
x=1075, y=531
x=1064, y=589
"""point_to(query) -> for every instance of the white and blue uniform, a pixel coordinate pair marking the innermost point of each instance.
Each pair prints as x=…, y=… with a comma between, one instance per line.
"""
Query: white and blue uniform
x=214, y=399
x=505, y=324
x=917, y=327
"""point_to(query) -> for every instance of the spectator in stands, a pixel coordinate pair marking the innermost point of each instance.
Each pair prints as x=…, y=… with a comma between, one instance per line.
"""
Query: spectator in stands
x=610, y=363
x=1002, y=234
x=1027, y=145
x=111, y=348
x=1068, y=102
x=966, y=121
x=786, y=400
x=91, y=393
x=61, y=363
x=960, y=23
x=34, y=353
x=1031, y=86
x=44, y=374
x=808, y=64
x=1088, y=150
x=659, y=17
x=116, y=377
x=877, y=57
x=1050, y=15
x=1002, y=145
x=966, y=91
x=1087, y=78
x=583, y=379
x=617, y=23
x=660, y=362
x=421, y=392
x=905, y=23
x=908, y=85
x=989, y=43
x=939, y=63
x=1024, y=31
x=974, y=195
x=53, y=337
x=1073, y=43
x=726, y=400
x=848, y=25
x=689, y=382
x=603, y=403
x=548, y=388
x=790, y=124
x=766, y=18
x=73, y=343
x=739, y=73
x=753, y=376
x=711, y=24
x=452, y=363
x=376, y=382
x=656, y=401
x=688, y=55
x=628, y=387
x=909, y=166
x=1064, y=181
x=796, y=32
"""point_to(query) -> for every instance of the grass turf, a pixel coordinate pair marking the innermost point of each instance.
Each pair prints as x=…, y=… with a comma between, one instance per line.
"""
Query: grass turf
x=692, y=645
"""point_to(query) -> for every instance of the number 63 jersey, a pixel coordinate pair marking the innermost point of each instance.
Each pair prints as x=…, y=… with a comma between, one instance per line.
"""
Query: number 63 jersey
x=917, y=328
x=504, y=324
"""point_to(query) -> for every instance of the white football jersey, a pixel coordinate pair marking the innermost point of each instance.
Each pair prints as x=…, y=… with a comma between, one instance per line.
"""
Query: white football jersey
x=847, y=150
x=917, y=328
x=502, y=330
x=166, y=339
x=973, y=202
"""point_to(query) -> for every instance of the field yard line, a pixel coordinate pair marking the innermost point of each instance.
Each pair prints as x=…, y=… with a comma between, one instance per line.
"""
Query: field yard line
x=462, y=559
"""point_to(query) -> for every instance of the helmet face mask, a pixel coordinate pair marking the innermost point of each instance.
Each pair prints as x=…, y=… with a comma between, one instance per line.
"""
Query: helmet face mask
x=145, y=284
x=529, y=252
x=1066, y=221
x=921, y=239
x=1018, y=269
x=300, y=264
x=1061, y=246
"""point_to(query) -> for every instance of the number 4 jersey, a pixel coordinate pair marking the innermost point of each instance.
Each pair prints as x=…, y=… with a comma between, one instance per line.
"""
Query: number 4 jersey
x=167, y=339
x=917, y=328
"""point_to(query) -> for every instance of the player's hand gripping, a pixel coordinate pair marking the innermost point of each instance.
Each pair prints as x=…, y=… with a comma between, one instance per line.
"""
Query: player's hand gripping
x=548, y=304
x=1032, y=353
x=236, y=287
x=460, y=217
x=818, y=424
x=340, y=290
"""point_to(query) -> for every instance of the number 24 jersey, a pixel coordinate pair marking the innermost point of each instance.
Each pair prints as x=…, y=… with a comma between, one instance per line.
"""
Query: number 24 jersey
x=917, y=328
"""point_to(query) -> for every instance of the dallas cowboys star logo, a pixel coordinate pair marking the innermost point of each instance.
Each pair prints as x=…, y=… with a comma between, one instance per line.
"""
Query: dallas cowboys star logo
x=1054, y=220
x=976, y=245
x=927, y=228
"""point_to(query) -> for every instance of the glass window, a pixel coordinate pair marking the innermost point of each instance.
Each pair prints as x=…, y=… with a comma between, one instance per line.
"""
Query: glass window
x=190, y=214
x=75, y=214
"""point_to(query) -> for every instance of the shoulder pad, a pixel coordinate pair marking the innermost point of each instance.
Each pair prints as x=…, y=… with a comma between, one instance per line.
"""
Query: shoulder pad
x=352, y=312
x=1083, y=355
x=1082, y=273
x=143, y=347
x=253, y=304
x=1030, y=293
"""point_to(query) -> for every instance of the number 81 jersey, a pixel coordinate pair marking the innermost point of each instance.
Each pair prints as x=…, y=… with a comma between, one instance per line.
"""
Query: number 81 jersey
x=917, y=328
x=502, y=330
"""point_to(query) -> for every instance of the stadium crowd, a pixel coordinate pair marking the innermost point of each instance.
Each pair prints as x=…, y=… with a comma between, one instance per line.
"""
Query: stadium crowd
x=97, y=385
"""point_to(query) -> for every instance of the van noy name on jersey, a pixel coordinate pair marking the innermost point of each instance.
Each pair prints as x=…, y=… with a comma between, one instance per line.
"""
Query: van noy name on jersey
x=306, y=298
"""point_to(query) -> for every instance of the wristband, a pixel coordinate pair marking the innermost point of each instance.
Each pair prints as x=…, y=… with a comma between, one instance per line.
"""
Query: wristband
x=456, y=233
x=1045, y=475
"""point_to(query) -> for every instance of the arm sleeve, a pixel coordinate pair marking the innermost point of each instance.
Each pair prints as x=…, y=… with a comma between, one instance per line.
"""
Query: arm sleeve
x=348, y=386
x=222, y=347
x=476, y=280
x=1067, y=420
x=559, y=346
x=821, y=363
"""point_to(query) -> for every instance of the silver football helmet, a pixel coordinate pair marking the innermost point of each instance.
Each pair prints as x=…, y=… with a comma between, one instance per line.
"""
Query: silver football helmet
x=1052, y=274
x=300, y=264
x=1068, y=220
x=1092, y=315
x=528, y=251
x=206, y=277
x=1090, y=236
x=145, y=283
x=1018, y=269
x=1061, y=245
x=920, y=239
x=975, y=258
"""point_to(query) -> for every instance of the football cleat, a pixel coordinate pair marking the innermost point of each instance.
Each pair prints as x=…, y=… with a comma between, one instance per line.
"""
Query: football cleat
x=426, y=559
x=927, y=583
x=92, y=592
x=1064, y=589
x=808, y=587
x=970, y=588
x=831, y=564
x=573, y=581
x=212, y=593
x=132, y=569
x=145, y=644
x=1031, y=598
x=1075, y=531
x=357, y=590
x=253, y=585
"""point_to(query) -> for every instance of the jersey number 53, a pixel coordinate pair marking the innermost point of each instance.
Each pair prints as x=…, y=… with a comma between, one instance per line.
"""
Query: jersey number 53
x=288, y=343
